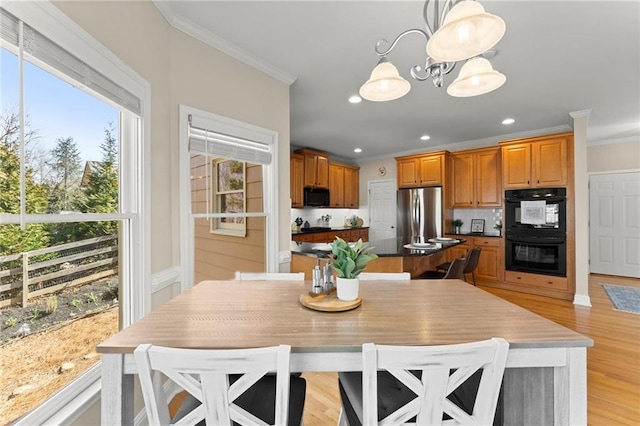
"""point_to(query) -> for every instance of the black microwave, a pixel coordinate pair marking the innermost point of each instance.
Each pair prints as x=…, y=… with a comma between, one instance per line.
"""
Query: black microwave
x=316, y=197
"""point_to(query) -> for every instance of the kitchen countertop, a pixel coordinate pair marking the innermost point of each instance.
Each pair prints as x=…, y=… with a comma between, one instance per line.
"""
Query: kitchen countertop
x=317, y=229
x=392, y=247
x=473, y=235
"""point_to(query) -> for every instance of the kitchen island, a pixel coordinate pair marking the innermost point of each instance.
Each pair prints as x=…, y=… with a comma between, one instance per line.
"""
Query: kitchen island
x=394, y=255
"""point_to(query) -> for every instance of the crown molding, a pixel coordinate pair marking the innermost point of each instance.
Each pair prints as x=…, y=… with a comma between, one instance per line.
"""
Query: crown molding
x=180, y=23
x=614, y=141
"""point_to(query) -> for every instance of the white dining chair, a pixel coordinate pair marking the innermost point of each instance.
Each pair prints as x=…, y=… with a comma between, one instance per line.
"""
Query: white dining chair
x=205, y=375
x=269, y=276
x=380, y=276
x=429, y=395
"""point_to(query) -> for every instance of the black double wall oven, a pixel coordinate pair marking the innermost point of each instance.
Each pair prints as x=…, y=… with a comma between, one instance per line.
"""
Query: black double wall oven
x=536, y=231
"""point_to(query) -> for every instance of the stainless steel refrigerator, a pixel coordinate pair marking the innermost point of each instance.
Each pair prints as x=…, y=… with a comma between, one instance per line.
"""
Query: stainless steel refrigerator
x=419, y=214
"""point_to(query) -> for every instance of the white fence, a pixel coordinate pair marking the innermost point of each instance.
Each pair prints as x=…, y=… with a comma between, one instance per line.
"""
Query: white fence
x=27, y=275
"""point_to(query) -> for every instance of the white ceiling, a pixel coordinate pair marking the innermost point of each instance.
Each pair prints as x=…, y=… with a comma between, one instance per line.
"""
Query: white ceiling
x=559, y=57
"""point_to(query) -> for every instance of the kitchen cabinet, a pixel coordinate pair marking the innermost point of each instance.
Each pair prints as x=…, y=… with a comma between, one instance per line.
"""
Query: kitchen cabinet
x=344, y=186
x=336, y=185
x=537, y=162
x=421, y=170
x=316, y=168
x=491, y=262
x=296, y=170
x=352, y=187
x=536, y=281
x=475, y=178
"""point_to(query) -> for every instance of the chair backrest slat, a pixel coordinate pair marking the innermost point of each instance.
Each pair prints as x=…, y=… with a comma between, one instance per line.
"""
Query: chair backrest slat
x=437, y=382
x=204, y=374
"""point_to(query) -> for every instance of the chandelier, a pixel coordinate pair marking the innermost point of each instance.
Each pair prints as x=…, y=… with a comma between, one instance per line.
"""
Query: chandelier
x=463, y=31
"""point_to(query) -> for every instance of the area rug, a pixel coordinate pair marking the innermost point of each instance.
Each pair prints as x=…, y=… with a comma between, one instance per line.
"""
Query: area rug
x=625, y=299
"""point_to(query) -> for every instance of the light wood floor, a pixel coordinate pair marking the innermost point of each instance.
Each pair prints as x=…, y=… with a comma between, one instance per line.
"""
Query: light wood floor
x=613, y=363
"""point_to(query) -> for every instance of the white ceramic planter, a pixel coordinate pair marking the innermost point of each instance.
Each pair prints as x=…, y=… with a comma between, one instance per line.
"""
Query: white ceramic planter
x=347, y=288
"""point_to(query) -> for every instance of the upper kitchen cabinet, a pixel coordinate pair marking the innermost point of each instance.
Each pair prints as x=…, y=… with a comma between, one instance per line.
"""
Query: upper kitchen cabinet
x=336, y=185
x=476, y=179
x=296, y=169
x=316, y=168
x=536, y=162
x=352, y=187
x=344, y=186
x=421, y=170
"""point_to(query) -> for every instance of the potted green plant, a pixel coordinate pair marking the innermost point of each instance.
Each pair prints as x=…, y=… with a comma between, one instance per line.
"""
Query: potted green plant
x=457, y=224
x=348, y=261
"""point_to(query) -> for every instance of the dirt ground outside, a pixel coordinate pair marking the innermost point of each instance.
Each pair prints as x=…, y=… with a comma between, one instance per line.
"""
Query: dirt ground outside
x=58, y=347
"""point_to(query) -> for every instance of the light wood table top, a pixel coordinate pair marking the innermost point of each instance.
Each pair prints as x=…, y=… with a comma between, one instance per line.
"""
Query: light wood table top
x=244, y=314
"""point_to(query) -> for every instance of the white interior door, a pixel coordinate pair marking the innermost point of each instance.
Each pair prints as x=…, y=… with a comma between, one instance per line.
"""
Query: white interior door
x=614, y=224
x=382, y=214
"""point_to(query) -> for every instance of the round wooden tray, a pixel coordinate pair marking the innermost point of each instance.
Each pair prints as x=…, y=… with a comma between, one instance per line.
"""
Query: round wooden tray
x=328, y=302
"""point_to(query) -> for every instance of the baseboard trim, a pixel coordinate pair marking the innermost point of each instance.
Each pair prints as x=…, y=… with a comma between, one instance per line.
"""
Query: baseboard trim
x=581, y=300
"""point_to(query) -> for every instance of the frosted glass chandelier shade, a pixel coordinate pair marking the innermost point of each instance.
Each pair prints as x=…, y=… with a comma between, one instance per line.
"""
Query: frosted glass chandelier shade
x=477, y=77
x=467, y=31
x=385, y=84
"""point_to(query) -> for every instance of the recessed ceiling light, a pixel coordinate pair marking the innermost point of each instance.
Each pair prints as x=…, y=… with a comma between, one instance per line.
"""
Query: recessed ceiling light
x=425, y=137
x=358, y=150
x=508, y=121
x=355, y=99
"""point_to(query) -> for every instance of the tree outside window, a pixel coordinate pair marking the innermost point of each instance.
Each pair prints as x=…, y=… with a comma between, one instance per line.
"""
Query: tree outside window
x=229, y=189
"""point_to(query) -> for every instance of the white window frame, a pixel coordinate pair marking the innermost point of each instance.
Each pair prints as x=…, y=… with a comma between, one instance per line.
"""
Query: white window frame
x=70, y=402
x=217, y=225
x=270, y=188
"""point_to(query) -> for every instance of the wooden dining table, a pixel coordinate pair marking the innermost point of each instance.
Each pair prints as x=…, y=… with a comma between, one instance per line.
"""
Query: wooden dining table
x=545, y=381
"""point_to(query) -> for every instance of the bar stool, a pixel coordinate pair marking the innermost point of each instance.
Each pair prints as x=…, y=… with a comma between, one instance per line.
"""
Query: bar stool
x=473, y=256
x=455, y=271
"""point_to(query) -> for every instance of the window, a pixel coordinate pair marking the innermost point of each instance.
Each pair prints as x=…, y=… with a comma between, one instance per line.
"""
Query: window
x=75, y=207
x=228, y=176
x=229, y=188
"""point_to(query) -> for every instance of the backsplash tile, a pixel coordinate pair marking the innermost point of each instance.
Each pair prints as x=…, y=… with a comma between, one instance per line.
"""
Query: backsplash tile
x=491, y=217
x=313, y=216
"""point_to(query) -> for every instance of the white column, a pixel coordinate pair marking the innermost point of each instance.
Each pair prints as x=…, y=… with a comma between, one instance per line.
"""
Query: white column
x=581, y=192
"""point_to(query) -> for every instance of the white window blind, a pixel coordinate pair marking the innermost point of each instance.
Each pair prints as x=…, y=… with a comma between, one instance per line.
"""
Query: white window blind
x=217, y=144
x=41, y=48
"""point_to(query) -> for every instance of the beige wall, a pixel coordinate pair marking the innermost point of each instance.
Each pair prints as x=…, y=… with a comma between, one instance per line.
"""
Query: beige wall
x=182, y=70
x=616, y=156
x=119, y=27
x=369, y=172
x=207, y=79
